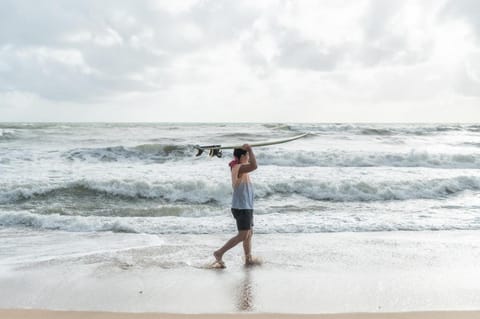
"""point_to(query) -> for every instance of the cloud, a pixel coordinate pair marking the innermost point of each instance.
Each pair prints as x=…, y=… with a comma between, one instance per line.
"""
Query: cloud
x=211, y=55
x=363, y=34
x=70, y=52
x=461, y=37
x=467, y=11
x=86, y=50
x=396, y=33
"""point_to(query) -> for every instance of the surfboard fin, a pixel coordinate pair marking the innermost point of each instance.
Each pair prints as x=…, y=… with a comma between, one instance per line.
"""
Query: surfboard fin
x=199, y=152
x=215, y=152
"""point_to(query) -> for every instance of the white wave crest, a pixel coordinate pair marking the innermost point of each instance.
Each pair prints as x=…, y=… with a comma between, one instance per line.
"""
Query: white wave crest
x=304, y=222
x=352, y=190
x=157, y=153
x=190, y=191
x=165, y=225
x=7, y=134
x=205, y=192
x=351, y=159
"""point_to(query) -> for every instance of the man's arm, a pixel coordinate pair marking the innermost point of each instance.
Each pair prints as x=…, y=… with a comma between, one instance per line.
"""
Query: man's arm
x=252, y=164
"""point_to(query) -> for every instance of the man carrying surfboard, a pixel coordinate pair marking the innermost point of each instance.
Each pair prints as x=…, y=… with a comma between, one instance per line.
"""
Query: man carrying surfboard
x=242, y=204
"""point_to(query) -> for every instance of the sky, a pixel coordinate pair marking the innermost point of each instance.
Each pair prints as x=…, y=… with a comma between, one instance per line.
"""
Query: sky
x=240, y=61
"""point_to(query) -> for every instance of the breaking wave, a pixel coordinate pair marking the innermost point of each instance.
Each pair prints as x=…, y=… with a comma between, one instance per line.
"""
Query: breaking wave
x=189, y=191
x=352, y=191
x=352, y=159
x=7, y=134
x=277, y=223
x=157, y=153
x=376, y=129
x=204, y=192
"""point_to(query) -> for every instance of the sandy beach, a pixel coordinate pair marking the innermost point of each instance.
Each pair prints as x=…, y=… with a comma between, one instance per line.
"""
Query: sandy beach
x=45, y=314
x=378, y=273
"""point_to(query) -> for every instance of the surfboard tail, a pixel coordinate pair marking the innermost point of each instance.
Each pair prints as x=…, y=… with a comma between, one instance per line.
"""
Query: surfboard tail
x=211, y=151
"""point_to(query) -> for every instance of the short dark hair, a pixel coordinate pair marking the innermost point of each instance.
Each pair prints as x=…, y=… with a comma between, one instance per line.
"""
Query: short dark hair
x=238, y=152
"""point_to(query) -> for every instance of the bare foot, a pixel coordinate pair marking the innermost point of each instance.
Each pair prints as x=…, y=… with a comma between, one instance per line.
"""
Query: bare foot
x=218, y=260
x=252, y=261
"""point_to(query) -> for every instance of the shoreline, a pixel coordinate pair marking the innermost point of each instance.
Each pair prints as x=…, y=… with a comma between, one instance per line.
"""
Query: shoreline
x=62, y=314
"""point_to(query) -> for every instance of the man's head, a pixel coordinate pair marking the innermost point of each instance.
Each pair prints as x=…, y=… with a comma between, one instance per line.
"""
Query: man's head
x=241, y=155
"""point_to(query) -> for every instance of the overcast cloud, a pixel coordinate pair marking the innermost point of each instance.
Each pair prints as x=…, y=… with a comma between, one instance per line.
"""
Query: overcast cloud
x=199, y=60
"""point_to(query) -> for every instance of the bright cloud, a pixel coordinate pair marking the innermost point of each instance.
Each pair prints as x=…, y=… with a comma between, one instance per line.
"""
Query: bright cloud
x=205, y=60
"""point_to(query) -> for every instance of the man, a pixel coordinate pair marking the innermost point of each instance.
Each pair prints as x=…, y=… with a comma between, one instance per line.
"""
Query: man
x=242, y=204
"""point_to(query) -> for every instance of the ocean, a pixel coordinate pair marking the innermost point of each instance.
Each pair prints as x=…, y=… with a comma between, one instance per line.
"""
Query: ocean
x=126, y=195
x=145, y=178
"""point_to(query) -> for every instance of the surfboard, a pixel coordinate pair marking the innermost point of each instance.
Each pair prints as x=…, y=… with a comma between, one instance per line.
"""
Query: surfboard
x=216, y=150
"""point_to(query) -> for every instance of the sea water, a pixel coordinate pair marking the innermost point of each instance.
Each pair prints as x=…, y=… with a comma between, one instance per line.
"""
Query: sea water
x=145, y=178
x=135, y=195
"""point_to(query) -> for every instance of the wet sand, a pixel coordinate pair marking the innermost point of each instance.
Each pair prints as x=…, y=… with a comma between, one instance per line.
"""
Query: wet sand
x=46, y=314
x=374, y=273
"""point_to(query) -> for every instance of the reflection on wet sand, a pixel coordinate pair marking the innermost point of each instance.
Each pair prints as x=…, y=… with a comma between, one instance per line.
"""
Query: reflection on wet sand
x=245, y=292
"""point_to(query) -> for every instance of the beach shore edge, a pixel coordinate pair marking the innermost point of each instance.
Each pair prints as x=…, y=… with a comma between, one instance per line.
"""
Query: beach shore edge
x=61, y=314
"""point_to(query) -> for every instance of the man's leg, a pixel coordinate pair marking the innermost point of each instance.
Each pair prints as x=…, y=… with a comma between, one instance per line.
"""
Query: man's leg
x=241, y=236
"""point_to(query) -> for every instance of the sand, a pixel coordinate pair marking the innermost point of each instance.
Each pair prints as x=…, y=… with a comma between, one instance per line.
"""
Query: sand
x=47, y=314
x=407, y=275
